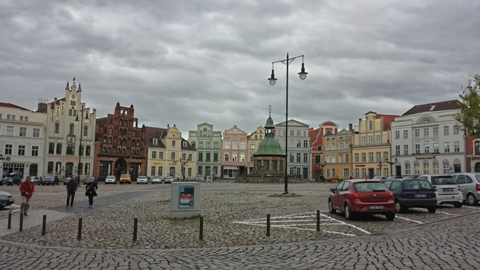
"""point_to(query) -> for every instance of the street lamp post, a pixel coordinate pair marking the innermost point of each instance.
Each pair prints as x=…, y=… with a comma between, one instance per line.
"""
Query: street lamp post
x=272, y=81
x=80, y=150
x=391, y=164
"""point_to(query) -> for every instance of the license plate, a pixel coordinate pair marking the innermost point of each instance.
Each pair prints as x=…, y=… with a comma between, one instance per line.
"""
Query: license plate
x=448, y=189
x=373, y=207
x=420, y=195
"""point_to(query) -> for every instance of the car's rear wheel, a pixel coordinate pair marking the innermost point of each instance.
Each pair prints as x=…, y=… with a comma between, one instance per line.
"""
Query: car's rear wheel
x=348, y=213
x=330, y=208
x=432, y=209
x=390, y=216
x=457, y=205
x=471, y=199
x=399, y=207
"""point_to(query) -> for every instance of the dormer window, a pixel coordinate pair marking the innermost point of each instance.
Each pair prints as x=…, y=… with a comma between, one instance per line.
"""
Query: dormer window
x=155, y=141
x=184, y=144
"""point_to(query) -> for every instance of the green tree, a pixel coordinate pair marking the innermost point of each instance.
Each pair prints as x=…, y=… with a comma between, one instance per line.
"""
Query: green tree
x=469, y=103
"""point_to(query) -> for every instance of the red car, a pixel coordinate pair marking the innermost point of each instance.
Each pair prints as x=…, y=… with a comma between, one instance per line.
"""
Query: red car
x=360, y=196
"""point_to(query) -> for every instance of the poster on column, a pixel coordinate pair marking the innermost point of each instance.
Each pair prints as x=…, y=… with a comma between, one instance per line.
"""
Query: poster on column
x=186, y=196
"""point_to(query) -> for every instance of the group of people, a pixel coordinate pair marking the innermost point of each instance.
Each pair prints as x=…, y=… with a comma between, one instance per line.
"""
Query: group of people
x=27, y=188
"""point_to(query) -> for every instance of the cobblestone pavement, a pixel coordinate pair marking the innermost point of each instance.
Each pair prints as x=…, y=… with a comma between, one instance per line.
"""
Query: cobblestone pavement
x=234, y=232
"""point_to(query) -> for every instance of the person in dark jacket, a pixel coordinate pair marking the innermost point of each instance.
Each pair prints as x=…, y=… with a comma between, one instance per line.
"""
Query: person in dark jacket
x=27, y=188
x=71, y=189
x=91, y=191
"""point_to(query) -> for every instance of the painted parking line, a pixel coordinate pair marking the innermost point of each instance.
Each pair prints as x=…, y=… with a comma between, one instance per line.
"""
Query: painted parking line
x=471, y=207
x=408, y=219
x=296, y=221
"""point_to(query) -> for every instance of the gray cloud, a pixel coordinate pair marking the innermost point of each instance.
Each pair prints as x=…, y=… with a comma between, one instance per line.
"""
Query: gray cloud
x=189, y=62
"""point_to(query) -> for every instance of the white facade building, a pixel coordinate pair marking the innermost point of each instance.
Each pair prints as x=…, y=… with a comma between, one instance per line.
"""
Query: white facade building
x=70, y=135
x=22, y=140
x=427, y=140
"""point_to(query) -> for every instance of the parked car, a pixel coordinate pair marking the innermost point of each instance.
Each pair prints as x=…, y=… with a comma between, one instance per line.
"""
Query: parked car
x=169, y=179
x=111, y=179
x=87, y=179
x=66, y=180
x=156, y=179
x=37, y=180
x=381, y=178
x=11, y=179
x=6, y=199
x=412, y=193
x=446, y=189
x=142, y=180
x=469, y=184
x=360, y=196
x=125, y=178
x=50, y=180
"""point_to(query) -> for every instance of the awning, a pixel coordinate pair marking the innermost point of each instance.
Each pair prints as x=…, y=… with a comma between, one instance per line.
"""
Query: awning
x=230, y=167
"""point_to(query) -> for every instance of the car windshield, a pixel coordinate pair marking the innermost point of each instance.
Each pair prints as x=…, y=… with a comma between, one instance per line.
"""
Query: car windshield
x=443, y=180
x=417, y=184
x=369, y=186
x=110, y=177
x=125, y=175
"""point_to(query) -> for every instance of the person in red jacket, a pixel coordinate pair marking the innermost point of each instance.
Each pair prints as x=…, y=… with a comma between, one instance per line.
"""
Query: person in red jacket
x=27, y=188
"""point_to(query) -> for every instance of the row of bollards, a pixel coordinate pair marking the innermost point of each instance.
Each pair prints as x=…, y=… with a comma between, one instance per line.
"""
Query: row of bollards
x=135, y=225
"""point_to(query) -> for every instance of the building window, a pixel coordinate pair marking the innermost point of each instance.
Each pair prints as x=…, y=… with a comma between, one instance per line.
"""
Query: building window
x=35, y=151
x=456, y=130
x=397, y=150
x=407, y=168
x=21, y=150
x=215, y=157
x=435, y=148
x=357, y=158
x=299, y=143
x=226, y=145
x=22, y=132
x=417, y=133
x=370, y=157
x=405, y=134
x=8, y=149
x=416, y=168
x=85, y=130
x=477, y=147
x=216, y=145
x=173, y=143
x=252, y=145
x=317, y=159
x=207, y=157
x=242, y=157
x=305, y=144
x=200, y=156
x=370, y=125
x=328, y=158
x=208, y=144
x=87, y=151
x=154, y=154
x=51, y=148
x=417, y=149
x=291, y=157
x=370, y=139
x=298, y=158
x=71, y=129
x=456, y=146
x=445, y=130
x=377, y=138
x=435, y=131
x=36, y=132
x=447, y=147
x=59, y=149
x=364, y=158
x=226, y=157
x=152, y=171
x=362, y=140
x=9, y=131
x=435, y=167
x=425, y=132
x=397, y=134
x=446, y=167
x=160, y=170
x=427, y=148
x=172, y=156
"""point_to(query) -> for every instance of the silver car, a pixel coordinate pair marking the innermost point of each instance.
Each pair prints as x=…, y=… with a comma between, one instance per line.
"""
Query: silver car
x=469, y=184
x=446, y=189
x=156, y=179
x=142, y=180
x=111, y=179
x=6, y=199
x=169, y=179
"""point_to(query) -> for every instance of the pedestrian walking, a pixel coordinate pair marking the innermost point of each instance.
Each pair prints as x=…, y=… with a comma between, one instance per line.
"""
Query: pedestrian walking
x=71, y=189
x=91, y=191
x=27, y=188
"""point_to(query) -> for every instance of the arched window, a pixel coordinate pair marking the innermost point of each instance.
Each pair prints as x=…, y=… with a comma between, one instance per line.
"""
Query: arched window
x=226, y=157
x=104, y=150
x=57, y=127
x=120, y=123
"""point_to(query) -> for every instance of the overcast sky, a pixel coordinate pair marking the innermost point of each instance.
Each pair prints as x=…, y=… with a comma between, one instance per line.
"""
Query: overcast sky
x=189, y=62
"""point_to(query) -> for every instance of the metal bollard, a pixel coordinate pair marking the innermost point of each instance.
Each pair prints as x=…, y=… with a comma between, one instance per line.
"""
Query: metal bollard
x=268, y=225
x=135, y=221
x=44, y=224
x=201, y=228
x=318, y=220
x=79, y=236
x=9, y=220
x=21, y=223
